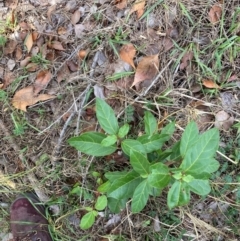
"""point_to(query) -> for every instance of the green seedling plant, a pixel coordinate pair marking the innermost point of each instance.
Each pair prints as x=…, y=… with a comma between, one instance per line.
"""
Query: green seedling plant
x=149, y=172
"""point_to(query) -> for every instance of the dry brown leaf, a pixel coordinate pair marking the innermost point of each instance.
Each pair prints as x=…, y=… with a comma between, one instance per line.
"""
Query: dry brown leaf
x=10, y=46
x=121, y=4
x=146, y=69
x=72, y=66
x=35, y=35
x=25, y=97
x=210, y=84
x=63, y=73
x=83, y=53
x=138, y=7
x=215, y=13
x=55, y=45
x=187, y=57
x=18, y=53
x=24, y=26
x=29, y=42
x=127, y=53
x=75, y=17
x=49, y=12
x=42, y=80
x=62, y=30
x=11, y=3
x=25, y=61
x=32, y=67
x=8, y=79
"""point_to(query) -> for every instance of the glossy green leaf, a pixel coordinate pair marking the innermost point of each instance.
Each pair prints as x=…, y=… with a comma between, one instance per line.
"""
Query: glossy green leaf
x=112, y=176
x=90, y=143
x=134, y=145
x=124, y=187
x=106, y=117
x=179, y=194
x=212, y=166
x=115, y=205
x=198, y=157
x=200, y=187
x=152, y=143
x=150, y=123
x=160, y=176
x=168, y=130
x=87, y=220
x=101, y=203
x=139, y=163
x=123, y=131
x=140, y=196
x=189, y=137
x=109, y=140
x=104, y=187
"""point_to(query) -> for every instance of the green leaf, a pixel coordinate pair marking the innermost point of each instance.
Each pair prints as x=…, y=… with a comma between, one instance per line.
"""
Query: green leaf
x=150, y=123
x=90, y=143
x=106, y=117
x=200, y=155
x=168, y=130
x=200, y=187
x=140, y=197
x=115, y=205
x=112, y=176
x=152, y=143
x=189, y=137
x=139, y=163
x=101, y=203
x=87, y=220
x=179, y=194
x=160, y=176
x=104, y=187
x=109, y=140
x=134, y=145
x=123, y=131
x=212, y=166
x=124, y=186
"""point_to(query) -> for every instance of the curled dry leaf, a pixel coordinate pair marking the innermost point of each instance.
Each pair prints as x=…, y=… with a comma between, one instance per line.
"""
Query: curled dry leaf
x=138, y=7
x=72, y=66
x=55, y=45
x=187, y=57
x=25, y=61
x=42, y=80
x=29, y=42
x=25, y=97
x=223, y=120
x=10, y=46
x=121, y=4
x=127, y=53
x=18, y=53
x=215, y=13
x=146, y=69
x=75, y=17
x=210, y=84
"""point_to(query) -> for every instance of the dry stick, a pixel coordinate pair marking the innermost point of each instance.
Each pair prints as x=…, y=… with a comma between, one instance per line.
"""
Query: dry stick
x=31, y=177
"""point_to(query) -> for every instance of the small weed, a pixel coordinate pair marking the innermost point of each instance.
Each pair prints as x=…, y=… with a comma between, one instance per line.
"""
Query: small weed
x=19, y=126
x=38, y=59
x=117, y=76
x=147, y=176
x=3, y=40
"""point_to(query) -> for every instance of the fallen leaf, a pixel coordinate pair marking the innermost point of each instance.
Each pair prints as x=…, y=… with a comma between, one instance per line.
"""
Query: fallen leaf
x=63, y=73
x=72, y=66
x=11, y=64
x=99, y=92
x=55, y=45
x=35, y=35
x=210, y=84
x=83, y=53
x=25, y=61
x=223, y=120
x=61, y=30
x=29, y=42
x=8, y=79
x=42, y=80
x=232, y=78
x=121, y=4
x=156, y=224
x=10, y=46
x=75, y=17
x=18, y=53
x=11, y=3
x=25, y=97
x=49, y=12
x=146, y=69
x=127, y=53
x=138, y=7
x=32, y=67
x=215, y=13
x=187, y=57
